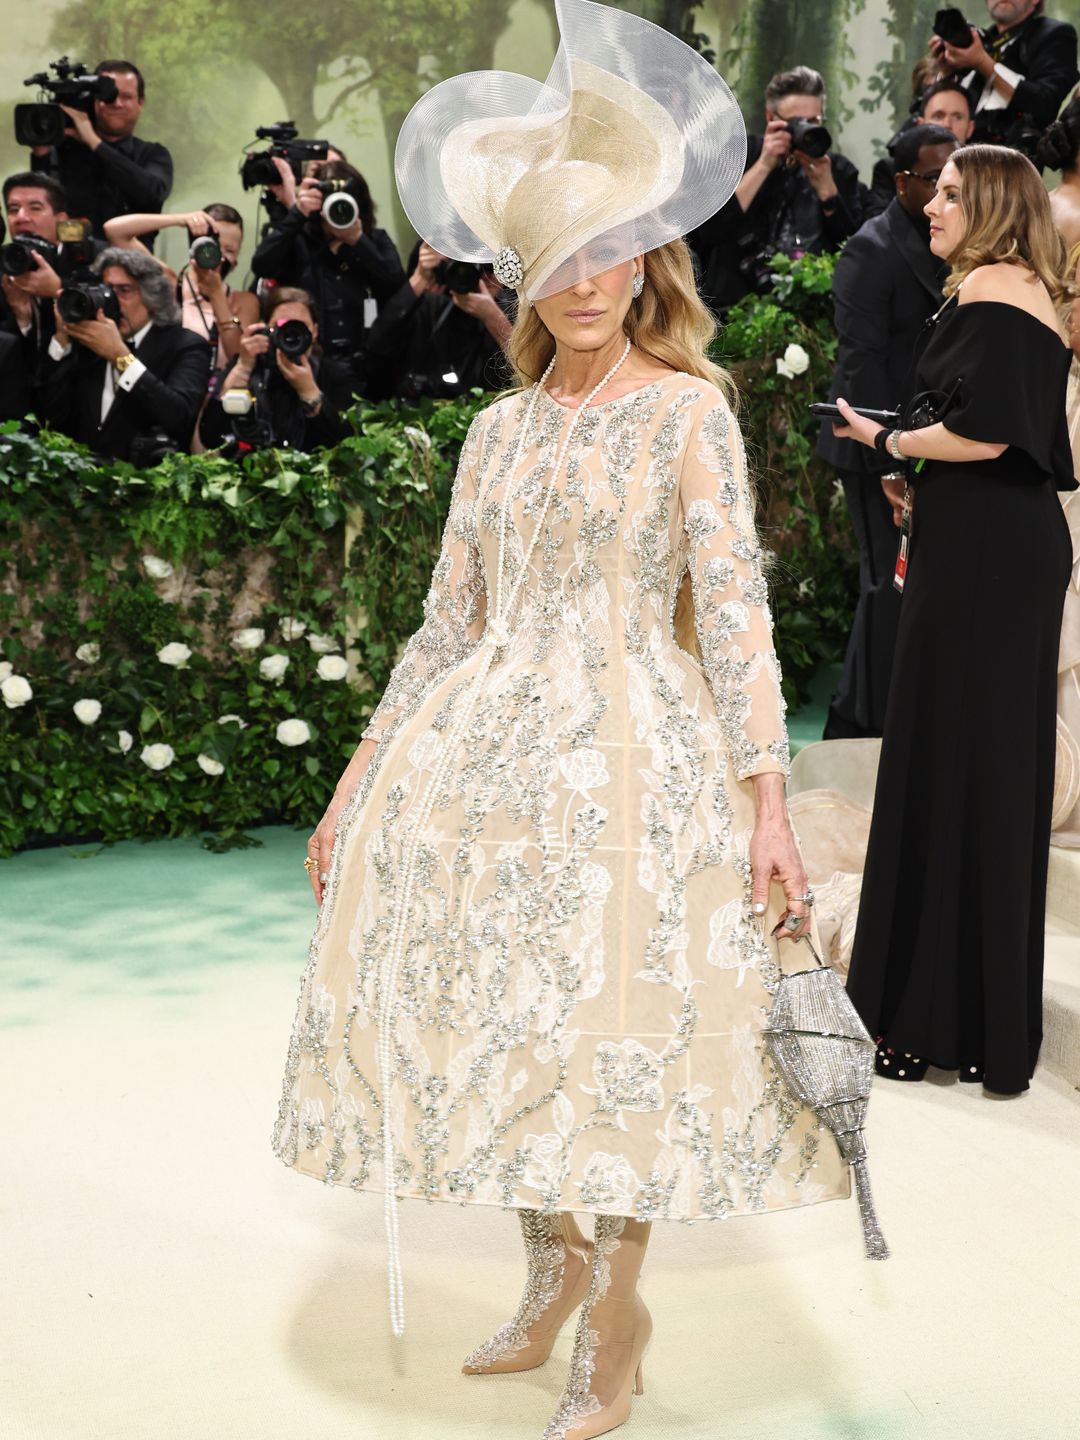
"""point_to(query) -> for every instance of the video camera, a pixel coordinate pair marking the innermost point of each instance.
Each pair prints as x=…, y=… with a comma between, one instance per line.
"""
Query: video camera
x=258, y=168
x=74, y=86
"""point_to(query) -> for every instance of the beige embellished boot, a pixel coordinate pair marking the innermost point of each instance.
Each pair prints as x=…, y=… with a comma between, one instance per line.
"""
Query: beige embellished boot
x=613, y=1330
x=558, y=1278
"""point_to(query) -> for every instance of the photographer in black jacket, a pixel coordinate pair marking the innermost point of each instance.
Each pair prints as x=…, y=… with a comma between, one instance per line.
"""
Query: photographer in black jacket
x=129, y=381
x=795, y=197
x=444, y=330
x=103, y=166
x=348, y=269
x=35, y=207
x=1017, y=72
x=886, y=285
x=281, y=389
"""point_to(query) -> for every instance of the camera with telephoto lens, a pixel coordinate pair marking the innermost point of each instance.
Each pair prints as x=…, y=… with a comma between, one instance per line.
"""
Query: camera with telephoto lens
x=292, y=338
x=73, y=86
x=258, y=168
x=17, y=257
x=460, y=276
x=339, y=208
x=809, y=137
x=205, y=250
x=82, y=300
x=149, y=450
x=950, y=26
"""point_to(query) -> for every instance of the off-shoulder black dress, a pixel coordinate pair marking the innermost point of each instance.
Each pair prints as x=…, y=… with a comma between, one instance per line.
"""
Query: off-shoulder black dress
x=948, y=957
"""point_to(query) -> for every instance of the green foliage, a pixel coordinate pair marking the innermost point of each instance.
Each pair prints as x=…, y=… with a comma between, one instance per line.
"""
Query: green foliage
x=262, y=543
x=251, y=545
x=774, y=35
x=909, y=24
x=801, y=509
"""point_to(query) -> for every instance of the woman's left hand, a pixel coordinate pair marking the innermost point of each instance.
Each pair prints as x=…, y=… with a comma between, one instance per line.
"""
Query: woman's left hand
x=856, y=427
x=774, y=855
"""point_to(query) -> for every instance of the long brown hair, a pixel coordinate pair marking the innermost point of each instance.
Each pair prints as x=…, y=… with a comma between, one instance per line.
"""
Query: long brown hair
x=669, y=321
x=1007, y=220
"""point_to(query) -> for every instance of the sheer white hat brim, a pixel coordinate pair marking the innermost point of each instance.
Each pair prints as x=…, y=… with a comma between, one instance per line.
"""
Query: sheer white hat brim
x=631, y=141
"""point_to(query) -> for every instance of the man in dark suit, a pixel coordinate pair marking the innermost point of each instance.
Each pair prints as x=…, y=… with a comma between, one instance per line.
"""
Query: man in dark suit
x=129, y=387
x=1017, y=72
x=885, y=287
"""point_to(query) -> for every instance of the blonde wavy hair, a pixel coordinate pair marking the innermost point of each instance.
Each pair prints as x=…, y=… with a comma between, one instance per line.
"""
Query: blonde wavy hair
x=1007, y=220
x=669, y=322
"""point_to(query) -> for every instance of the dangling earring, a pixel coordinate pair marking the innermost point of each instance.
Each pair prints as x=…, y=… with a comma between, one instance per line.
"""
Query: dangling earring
x=639, y=284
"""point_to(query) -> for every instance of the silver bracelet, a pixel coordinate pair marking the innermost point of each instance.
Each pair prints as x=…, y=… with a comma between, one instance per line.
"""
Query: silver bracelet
x=892, y=444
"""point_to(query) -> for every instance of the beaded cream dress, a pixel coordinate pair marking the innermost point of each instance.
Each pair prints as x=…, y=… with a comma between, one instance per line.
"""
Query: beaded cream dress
x=535, y=944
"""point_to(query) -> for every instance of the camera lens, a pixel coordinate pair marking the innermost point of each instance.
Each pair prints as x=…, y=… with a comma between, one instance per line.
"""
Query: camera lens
x=76, y=305
x=292, y=338
x=15, y=259
x=341, y=211
x=813, y=140
x=205, y=252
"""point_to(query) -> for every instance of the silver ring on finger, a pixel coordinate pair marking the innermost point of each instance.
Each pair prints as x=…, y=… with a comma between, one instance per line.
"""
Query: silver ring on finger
x=808, y=898
x=794, y=922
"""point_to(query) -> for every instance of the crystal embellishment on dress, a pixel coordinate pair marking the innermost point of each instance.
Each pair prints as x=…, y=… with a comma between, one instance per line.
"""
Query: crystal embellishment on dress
x=509, y=267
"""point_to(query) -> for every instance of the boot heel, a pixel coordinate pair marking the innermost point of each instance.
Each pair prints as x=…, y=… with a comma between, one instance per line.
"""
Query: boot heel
x=639, y=1383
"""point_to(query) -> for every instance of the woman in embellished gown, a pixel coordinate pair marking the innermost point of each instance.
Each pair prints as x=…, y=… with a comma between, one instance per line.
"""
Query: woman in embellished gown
x=948, y=954
x=547, y=878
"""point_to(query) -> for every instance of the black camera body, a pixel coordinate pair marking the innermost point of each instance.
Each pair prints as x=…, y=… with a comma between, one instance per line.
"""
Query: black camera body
x=950, y=26
x=150, y=449
x=460, y=276
x=84, y=298
x=812, y=139
x=257, y=167
x=17, y=256
x=72, y=85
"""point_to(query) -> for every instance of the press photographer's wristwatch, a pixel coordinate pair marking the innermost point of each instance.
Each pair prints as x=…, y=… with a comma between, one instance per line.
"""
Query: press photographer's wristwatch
x=123, y=362
x=312, y=407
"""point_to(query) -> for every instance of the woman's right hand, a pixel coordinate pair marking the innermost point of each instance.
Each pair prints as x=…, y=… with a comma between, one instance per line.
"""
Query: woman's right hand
x=320, y=846
x=894, y=494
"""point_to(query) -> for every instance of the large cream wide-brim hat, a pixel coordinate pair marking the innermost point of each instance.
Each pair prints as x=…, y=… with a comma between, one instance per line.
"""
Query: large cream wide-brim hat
x=632, y=141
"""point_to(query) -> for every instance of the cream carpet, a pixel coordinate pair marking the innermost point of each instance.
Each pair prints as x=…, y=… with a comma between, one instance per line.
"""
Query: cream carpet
x=164, y=1276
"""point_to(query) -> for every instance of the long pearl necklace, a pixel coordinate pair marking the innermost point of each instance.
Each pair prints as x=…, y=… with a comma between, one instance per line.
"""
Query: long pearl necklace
x=497, y=635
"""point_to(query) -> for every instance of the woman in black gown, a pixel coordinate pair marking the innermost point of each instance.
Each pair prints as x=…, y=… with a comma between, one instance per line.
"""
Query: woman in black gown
x=948, y=958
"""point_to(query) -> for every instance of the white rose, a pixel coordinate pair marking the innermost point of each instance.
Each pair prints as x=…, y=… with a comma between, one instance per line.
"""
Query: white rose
x=796, y=361
x=16, y=691
x=175, y=653
x=322, y=644
x=90, y=653
x=293, y=732
x=6, y=669
x=88, y=711
x=158, y=757
x=332, y=667
x=784, y=369
x=209, y=766
x=273, y=667
x=232, y=720
x=249, y=639
x=156, y=568
x=291, y=629
x=124, y=740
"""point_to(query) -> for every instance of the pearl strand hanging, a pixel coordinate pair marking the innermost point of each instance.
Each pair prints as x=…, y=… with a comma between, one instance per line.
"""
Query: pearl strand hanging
x=497, y=635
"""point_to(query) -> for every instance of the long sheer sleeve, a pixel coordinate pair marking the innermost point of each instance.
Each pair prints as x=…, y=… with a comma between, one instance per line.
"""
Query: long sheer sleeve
x=731, y=602
x=456, y=603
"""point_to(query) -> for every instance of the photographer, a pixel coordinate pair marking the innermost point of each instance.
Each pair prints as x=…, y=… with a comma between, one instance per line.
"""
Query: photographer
x=208, y=304
x=348, y=268
x=129, y=381
x=104, y=168
x=944, y=103
x=296, y=393
x=35, y=209
x=444, y=330
x=797, y=196
x=1017, y=72
x=886, y=285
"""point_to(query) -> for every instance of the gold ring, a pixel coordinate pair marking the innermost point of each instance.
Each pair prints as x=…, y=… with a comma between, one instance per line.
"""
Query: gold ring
x=310, y=864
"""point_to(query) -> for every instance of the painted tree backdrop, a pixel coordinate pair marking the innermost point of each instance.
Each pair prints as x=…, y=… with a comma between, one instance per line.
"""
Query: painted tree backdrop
x=350, y=69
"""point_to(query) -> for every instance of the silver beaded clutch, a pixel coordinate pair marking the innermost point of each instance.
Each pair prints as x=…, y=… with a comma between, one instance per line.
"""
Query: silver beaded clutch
x=824, y=1055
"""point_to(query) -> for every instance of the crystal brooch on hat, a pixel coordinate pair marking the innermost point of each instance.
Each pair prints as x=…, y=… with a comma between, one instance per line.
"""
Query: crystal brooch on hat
x=509, y=267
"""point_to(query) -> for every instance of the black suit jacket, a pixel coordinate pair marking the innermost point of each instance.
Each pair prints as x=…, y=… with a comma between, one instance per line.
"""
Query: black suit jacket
x=122, y=177
x=886, y=285
x=1044, y=52
x=14, y=393
x=165, y=400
